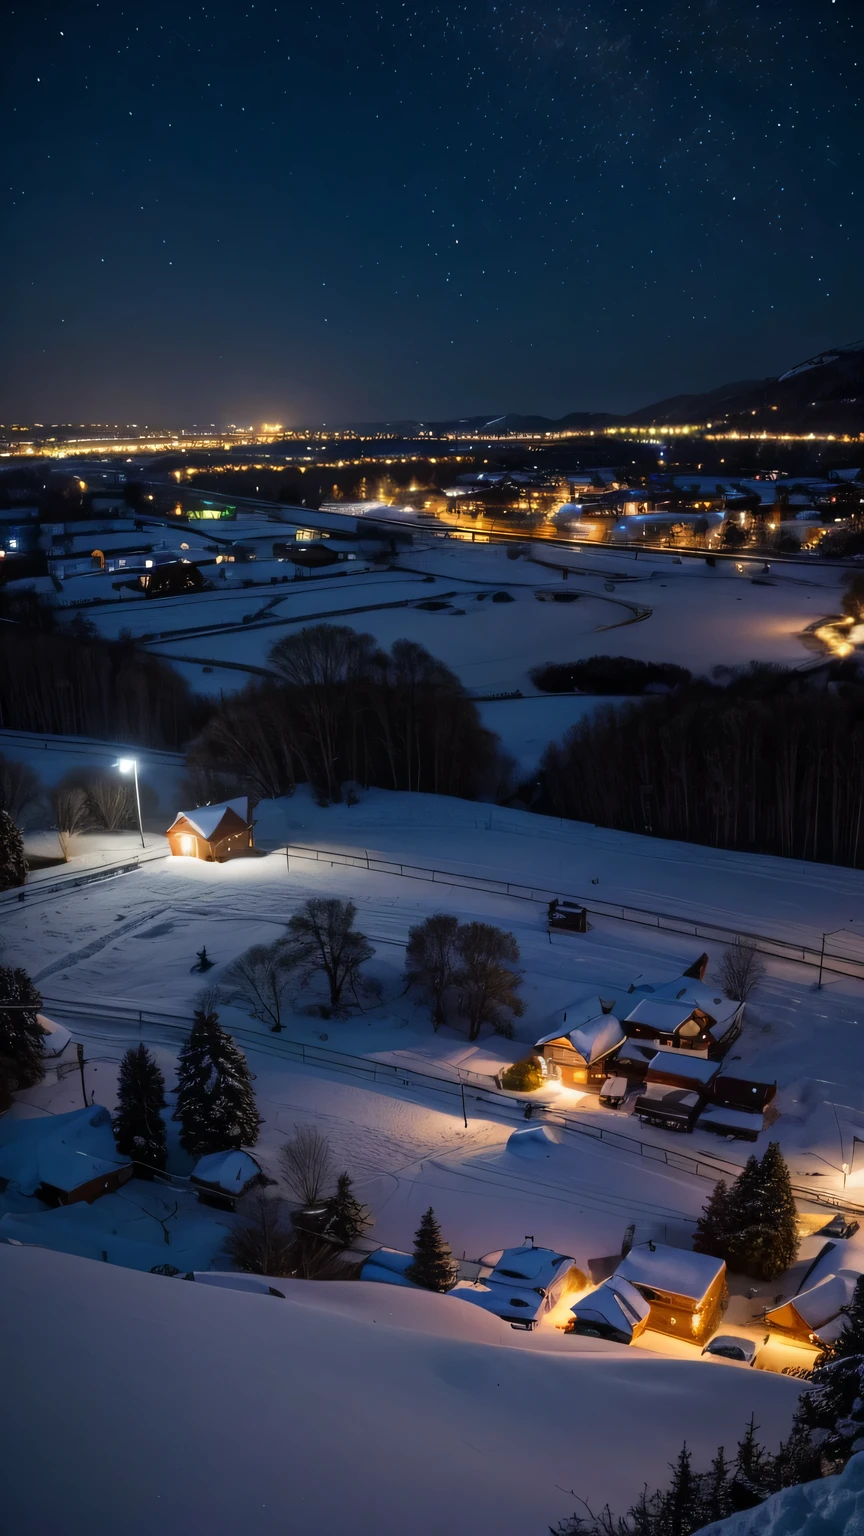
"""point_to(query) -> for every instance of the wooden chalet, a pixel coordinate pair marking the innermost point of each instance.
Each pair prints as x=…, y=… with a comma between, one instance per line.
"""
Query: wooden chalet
x=577, y=1052
x=686, y=1291
x=212, y=832
x=815, y=1316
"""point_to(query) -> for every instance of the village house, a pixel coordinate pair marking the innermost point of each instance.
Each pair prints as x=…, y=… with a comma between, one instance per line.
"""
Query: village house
x=576, y=1052
x=62, y=1159
x=683, y=1013
x=221, y=1178
x=686, y=1292
x=815, y=1317
x=520, y=1285
x=212, y=832
x=614, y=1311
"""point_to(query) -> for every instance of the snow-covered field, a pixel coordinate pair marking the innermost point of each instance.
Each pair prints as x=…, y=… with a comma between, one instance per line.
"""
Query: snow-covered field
x=342, y=1407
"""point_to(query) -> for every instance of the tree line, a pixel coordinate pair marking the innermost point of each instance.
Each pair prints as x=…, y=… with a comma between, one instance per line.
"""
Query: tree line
x=763, y=764
x=339, y=711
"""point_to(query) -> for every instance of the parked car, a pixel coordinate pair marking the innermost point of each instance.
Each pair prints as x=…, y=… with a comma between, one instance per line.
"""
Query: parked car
x=730, y=1346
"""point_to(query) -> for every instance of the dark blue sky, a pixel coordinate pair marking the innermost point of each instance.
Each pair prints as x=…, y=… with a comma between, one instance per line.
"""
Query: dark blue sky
x=302, y=212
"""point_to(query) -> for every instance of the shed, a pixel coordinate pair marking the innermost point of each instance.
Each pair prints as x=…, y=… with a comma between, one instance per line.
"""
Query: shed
x=615, y=1311
x=678, y=1069
x=815, y=1316
x=731, y=1122
x=686, y=1291
x=221, y=1178
x=212, y=832
x=675, y=1109
x=579, y=1055
x=62, y=1159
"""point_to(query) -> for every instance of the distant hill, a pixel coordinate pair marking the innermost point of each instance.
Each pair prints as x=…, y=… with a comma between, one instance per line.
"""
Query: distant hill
x=822, y=394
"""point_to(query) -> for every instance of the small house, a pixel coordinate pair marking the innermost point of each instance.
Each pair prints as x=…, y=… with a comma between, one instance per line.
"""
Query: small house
x=738, y=1107
x=62, y=1159
x=520, y=1285
x=685, y=1014
x=212, y=832
x=221, y=1178
x=578, y=1051
x=567, y=916
x=686, y=1292
x=815, y=1316
x=676, y=1085
x=614, y=1311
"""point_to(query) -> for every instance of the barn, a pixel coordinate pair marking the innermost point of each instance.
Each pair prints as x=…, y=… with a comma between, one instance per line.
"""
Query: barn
x=212, y=832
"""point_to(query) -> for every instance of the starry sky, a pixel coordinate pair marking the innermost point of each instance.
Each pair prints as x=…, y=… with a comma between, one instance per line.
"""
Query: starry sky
x=363, y=209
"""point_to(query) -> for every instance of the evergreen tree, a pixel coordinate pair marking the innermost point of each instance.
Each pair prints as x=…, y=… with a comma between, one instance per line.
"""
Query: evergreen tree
x=433, y=1266
x=347, y=1218
x=762, y=1220
x=753, y=1473
x=798, y=1459
x=139, y=1129
x=716, y=1502
x=13, y=865
x=21, y=1036
x=681, y=1513
x=215, y=1102
x=712, y=1228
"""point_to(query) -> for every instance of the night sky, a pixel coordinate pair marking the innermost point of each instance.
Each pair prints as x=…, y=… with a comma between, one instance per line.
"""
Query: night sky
x=344, y=211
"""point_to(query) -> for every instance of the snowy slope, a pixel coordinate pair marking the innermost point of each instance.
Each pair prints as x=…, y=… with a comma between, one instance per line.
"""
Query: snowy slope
x=832, y=1506
x=170, y=1407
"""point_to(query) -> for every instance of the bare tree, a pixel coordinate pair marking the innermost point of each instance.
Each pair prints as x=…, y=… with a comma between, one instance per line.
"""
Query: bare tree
x=72, y=815
x=324, y=940
x=261, y=1241
x=316, y=1259
x=20, y=788
x=485, y=978
x=307, y=1166
x=741, y=969
x=111, y=801
x=258, y=981
x=431, y=958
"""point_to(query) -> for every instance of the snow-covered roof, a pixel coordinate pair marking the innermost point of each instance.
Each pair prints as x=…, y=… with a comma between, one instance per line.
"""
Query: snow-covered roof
x=822, y=1302
x=206, y=818
x=616, y=1303
x=671, y=1269
x=666, y=1098
x=529, y=1266
x=57, y=1036
x=592, y=1040
x=661, y=1014
x=689, y=990
x=736, y=1119
x=231, y=1171
x=696, y=1068
x=63, y=1151
x=512, y=1302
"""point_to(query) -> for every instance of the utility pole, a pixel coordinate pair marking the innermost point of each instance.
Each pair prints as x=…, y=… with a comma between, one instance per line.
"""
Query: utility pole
x=464, y=1112
x=80, y=1050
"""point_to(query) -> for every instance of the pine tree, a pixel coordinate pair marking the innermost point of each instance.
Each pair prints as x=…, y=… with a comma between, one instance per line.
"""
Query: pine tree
x=433, y=1266
x=347, y=1218
x=762, y=1220
x=779, y=1248
x=13, y=865
x=21, y=1036
x=215, y=1102
x=712, y=1228
x=752, y=1475
x=139, y=1129
x=716, y=1501
x=681, y=1515
x=798, y=1459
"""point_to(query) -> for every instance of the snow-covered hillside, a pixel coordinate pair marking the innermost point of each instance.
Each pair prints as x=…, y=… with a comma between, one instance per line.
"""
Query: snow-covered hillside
x=832, y=1506
x=136, y=1403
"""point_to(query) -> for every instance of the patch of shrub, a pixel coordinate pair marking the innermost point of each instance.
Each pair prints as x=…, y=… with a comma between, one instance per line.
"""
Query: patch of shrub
x=609, y=675
x=523, y=1076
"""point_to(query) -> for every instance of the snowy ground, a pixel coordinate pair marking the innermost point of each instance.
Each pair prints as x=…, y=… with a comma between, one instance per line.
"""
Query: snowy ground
x=192, y=1408
x=687, y=612
x=131, y=943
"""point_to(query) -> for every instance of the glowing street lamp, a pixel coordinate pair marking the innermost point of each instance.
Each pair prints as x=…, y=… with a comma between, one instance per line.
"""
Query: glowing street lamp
x=130, y=765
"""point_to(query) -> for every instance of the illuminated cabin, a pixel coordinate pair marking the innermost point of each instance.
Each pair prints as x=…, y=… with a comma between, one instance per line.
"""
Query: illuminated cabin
x=816, y=1317
x=212, y=832
x=686, y=1292
x=578, y=1055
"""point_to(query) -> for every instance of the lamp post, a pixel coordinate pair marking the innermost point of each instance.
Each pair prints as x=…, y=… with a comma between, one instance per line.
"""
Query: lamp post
x=130, y=765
